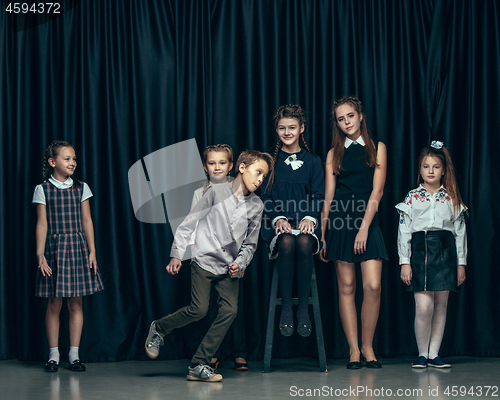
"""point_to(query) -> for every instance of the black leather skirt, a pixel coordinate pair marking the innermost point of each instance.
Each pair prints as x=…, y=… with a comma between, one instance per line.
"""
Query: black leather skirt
x=433, y=261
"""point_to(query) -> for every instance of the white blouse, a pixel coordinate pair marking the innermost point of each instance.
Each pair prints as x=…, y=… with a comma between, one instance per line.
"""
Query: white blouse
x=422, y=211
x=39, y=195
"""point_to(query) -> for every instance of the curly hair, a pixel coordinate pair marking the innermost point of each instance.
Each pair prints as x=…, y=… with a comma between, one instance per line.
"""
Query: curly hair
x=52, y=152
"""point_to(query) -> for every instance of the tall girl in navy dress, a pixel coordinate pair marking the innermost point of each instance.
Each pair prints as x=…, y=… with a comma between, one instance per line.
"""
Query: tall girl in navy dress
x=432, y=247
x=354, y=183
x=292, y=198
x=67, y=266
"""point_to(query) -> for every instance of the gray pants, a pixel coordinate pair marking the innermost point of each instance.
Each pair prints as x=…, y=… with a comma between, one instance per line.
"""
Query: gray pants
x=201, y=282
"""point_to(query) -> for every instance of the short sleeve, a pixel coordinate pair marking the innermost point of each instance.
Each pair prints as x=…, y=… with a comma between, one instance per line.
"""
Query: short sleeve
x=38, y=195
x=87, y=193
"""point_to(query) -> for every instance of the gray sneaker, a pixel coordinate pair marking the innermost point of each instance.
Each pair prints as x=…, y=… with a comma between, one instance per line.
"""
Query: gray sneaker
x=153, y=342
x=203, y=373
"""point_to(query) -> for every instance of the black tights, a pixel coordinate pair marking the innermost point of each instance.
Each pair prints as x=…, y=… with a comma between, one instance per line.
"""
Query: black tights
x=295, y=250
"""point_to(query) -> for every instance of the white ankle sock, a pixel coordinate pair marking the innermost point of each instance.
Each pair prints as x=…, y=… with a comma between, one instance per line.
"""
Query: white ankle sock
x=73, y=354
x=54, y=354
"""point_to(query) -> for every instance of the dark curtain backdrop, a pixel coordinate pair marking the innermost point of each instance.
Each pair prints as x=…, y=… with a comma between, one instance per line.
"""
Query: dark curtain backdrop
x=121, y=79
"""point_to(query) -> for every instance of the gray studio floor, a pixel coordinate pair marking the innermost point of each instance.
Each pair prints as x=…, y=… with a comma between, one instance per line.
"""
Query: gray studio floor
x=292, y=378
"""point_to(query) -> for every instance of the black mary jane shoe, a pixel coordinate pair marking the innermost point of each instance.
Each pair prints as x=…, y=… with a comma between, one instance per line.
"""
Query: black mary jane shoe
x=77, y=366
x=304, y=330
x=370, y=364
x=286, y=329
x=286, y=325
x=354, y=365
x=240, y=366
x=51, y=366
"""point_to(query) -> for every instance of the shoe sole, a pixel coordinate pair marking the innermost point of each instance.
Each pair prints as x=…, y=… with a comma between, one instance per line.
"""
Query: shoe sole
x=148, y=352
x=419, y=366
x=194, y=378
x=439, y=366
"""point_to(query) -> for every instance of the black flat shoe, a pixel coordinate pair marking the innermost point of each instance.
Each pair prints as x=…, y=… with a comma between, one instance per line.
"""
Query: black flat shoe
x=286, y=324
x=51, y=366
x=77, y=366
x=240, y=366
x=304, y=329
x=353, y=365
x=286, y=329
x=370, y=364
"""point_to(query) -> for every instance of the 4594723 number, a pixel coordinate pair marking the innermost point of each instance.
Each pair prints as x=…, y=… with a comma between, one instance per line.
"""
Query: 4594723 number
x=37, y=8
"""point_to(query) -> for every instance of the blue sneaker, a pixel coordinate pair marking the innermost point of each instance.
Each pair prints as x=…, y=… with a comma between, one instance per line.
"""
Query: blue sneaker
x=420, y=362
x=437, y=363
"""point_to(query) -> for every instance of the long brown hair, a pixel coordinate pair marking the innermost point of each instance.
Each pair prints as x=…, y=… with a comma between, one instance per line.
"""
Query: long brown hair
x=338, y=137
x=448, y=180
x=287, y=111
x=52, y=152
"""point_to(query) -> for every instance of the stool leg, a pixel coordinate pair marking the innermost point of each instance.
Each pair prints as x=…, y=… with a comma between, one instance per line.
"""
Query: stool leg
x=317, y=321
x=270, y=321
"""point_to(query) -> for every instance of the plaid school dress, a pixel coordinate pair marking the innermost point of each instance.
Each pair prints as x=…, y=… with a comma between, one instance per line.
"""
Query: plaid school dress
x=66, y=248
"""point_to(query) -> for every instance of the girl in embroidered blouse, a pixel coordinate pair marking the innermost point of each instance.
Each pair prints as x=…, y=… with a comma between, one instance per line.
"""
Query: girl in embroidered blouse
x=292, y=200
x=432, y=248
x=65, y=248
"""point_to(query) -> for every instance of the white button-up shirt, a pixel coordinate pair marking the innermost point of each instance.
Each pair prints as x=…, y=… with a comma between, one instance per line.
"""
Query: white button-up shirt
x=422, y=211
x=227, y=229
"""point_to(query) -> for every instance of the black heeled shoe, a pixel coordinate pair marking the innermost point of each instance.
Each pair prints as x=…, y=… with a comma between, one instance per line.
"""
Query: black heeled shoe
x=354, y=365
x=370, y=364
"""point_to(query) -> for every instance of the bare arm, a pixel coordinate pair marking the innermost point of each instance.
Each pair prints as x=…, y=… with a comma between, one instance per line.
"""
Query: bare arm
x=330, y=186
x=41, y=237
x=88, y=228
x=374, y=200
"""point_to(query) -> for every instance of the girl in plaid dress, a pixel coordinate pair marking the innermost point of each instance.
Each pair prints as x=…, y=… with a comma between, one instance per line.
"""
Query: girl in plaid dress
x=65, y=248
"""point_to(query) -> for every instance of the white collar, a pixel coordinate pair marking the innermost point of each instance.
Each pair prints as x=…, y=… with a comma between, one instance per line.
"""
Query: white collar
x=61, y=185
x=348, y=141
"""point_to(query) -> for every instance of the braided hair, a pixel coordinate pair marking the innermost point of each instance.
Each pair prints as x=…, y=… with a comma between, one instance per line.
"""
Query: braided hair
x=51, y=152
x=287, y=111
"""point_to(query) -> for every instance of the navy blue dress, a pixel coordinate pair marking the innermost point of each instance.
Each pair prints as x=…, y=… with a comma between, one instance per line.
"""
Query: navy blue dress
x=295, y=194
x=353, y=189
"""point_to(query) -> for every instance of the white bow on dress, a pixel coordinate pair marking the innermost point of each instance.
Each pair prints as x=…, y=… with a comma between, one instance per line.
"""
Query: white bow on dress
x=293, y=162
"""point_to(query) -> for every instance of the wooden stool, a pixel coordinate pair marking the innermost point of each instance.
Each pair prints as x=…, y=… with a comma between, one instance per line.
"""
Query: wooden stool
x=274, y=301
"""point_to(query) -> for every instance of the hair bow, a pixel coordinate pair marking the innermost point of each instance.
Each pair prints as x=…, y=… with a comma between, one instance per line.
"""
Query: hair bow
x=436, y=144
x=293, y=162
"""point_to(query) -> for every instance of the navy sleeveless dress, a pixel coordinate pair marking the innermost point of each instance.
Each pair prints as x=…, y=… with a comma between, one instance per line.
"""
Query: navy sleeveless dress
x=353, y=189
x=66, y=249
